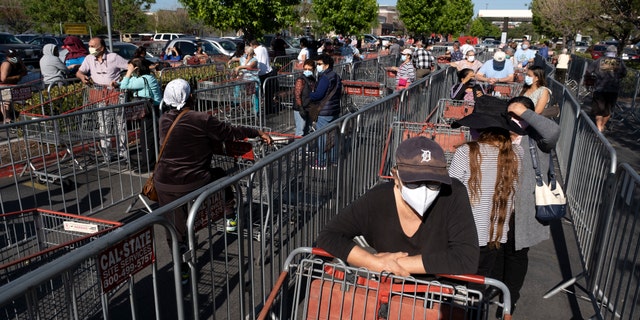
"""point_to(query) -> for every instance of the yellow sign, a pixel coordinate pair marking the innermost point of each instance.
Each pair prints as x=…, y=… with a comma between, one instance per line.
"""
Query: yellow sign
x=76, y=28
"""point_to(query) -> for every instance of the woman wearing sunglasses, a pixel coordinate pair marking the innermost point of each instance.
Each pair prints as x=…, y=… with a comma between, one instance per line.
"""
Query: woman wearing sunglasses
x=419, y=223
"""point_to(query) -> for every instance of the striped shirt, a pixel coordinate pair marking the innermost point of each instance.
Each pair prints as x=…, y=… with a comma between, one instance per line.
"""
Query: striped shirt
x=481, y=208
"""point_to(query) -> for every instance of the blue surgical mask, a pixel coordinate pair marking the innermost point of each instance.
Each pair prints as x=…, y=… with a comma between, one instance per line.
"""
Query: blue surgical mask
x=528, y=80
x=403, y=58
x=319, y=69
x=307, y=73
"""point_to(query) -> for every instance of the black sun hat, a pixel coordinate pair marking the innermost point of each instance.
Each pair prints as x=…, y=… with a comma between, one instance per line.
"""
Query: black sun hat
x=489, y=112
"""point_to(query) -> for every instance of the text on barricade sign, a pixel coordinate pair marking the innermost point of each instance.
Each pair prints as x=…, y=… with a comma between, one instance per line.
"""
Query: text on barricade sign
x=119, y=262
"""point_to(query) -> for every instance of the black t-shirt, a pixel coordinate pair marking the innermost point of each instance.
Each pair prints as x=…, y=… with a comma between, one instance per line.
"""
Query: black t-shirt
x=447, y=239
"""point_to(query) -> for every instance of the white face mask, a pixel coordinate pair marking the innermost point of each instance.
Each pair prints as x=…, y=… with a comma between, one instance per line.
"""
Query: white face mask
x=528, y=80
x=93, y=51
x=420, y=199
x=525, y=47
x=319, y=69
x=307, y=73
x=403, y=58
x=471, y=58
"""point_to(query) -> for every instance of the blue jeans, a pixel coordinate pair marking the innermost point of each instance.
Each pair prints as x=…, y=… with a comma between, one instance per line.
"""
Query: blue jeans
x=302, y=125
x=322, y=122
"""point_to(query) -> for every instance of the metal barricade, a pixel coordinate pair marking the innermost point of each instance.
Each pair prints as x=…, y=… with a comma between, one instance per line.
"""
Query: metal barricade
x=279, y=97
x=284, y=64
x=110, y=266
x=360, y=93
x=613, y=283
x=368, y=70
x=237, y=102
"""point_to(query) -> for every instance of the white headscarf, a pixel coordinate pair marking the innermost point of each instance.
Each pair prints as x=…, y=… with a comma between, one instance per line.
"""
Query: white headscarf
x=176, y=93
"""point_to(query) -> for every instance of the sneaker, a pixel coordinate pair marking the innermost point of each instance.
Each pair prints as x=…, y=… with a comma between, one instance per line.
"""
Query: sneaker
x=184, y=274
x=232, y=224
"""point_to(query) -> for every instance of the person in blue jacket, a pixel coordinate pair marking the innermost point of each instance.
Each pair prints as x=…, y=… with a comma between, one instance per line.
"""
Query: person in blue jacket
x=328, y=93
x=143, y=84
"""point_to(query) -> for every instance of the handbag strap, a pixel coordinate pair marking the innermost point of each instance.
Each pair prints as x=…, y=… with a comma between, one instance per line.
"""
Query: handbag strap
x=164, y=143
x=534, y=161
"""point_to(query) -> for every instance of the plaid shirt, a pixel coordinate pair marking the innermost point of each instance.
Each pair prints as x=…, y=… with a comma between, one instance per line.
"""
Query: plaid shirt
x=422, y=59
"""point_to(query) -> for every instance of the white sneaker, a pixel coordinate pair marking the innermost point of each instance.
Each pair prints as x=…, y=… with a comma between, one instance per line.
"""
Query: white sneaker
x=232, y=224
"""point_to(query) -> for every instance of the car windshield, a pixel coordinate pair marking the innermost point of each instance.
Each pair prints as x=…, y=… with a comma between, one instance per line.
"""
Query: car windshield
x=228, y=45
x=125, y=51
x=9, y=39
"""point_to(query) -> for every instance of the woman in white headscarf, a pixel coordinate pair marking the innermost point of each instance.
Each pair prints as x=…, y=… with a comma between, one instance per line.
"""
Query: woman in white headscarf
x=185, y=163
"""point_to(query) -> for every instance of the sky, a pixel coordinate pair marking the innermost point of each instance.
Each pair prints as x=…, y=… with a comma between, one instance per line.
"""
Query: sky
x=478, y=4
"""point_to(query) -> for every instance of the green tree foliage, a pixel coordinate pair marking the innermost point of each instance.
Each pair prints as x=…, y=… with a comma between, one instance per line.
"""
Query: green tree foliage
x=48, y=14
x=481, y=27
x=456, y=17
x=345, y=16
x=253, y=17
x=127, y=15
x=619, y=19
x=551, y=18
x=421, y=17
x=13, y=16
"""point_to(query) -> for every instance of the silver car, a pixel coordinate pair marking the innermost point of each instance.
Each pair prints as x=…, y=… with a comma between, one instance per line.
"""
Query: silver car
x=581, y=46
x=225, y=46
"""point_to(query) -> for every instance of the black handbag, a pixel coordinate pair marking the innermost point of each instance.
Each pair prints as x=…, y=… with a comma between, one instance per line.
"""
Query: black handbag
x=551, y=203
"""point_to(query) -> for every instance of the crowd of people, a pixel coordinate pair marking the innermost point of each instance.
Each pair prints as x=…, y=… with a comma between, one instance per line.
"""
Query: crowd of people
x=474, y=216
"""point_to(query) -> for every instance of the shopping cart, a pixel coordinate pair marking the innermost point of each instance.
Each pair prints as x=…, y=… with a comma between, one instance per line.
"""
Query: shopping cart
x=316, y=289
x=448, y=110
x=356, y=94
x=503, y=90
x=448, y=138
x=32, y=238
x=261, y=189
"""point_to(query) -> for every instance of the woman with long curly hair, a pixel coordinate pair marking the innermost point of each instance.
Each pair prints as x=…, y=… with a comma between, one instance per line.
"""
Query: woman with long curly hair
x=489, y=167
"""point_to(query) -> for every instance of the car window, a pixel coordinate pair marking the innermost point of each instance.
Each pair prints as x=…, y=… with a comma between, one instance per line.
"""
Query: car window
x=9, y=39
x=166, y=37
x=209, y=48
x=228, y=45
x=186, y=47
x=36, y=41
x=125, y=51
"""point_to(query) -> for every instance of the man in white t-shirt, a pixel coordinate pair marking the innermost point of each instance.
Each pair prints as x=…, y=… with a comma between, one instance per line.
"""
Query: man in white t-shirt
x=262, y=55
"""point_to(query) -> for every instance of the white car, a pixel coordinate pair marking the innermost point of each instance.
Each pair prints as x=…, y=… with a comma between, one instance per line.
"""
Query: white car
x=225, y=46
x=581, y=46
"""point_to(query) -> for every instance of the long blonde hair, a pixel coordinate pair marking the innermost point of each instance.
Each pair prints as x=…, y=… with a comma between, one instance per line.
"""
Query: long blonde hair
x=507, y=177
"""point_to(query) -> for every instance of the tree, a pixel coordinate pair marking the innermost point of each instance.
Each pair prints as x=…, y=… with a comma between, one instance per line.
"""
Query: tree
x=618, y=18
x=48, y=14
x=456, y=16
x=345, y=16
x=253, y=17
x=551, y=16
x=481, y=27
x=13, y=16
x=421, y=16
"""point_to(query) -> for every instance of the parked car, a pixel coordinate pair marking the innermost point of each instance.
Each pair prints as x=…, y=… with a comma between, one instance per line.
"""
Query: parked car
x=126, y=50
x=26, y=37
x=289, y=48
x=581, y=46
x=630, y=54
x=167, y=36
x=597, y=51
x=488, y=45
x=225, y=46
x=29, y=53
x=42, y=40
x=188, y=45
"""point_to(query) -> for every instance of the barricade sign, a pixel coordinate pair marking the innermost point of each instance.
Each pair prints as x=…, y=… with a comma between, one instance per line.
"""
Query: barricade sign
x=212, y=211
x=21, y=93
x=126, y=258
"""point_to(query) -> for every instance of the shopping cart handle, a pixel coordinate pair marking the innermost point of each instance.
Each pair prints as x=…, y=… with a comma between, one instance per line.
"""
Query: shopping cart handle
x=474, y=278
x=321, y=252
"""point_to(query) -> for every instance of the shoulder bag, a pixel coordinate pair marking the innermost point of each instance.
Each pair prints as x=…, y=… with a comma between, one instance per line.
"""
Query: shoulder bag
x=315, y=107
x=149, y=188
x=550, y=200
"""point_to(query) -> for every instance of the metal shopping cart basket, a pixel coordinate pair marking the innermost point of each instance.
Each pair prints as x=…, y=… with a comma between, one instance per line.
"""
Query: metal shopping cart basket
x=316, y=289
x=448, y=110
x=32, y=238
x=357, y=94
x=503, y=90
x=448, y=138
x=260, y=189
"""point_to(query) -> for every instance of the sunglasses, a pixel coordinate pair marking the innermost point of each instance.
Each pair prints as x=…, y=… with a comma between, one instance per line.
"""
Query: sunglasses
x=433, y=186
